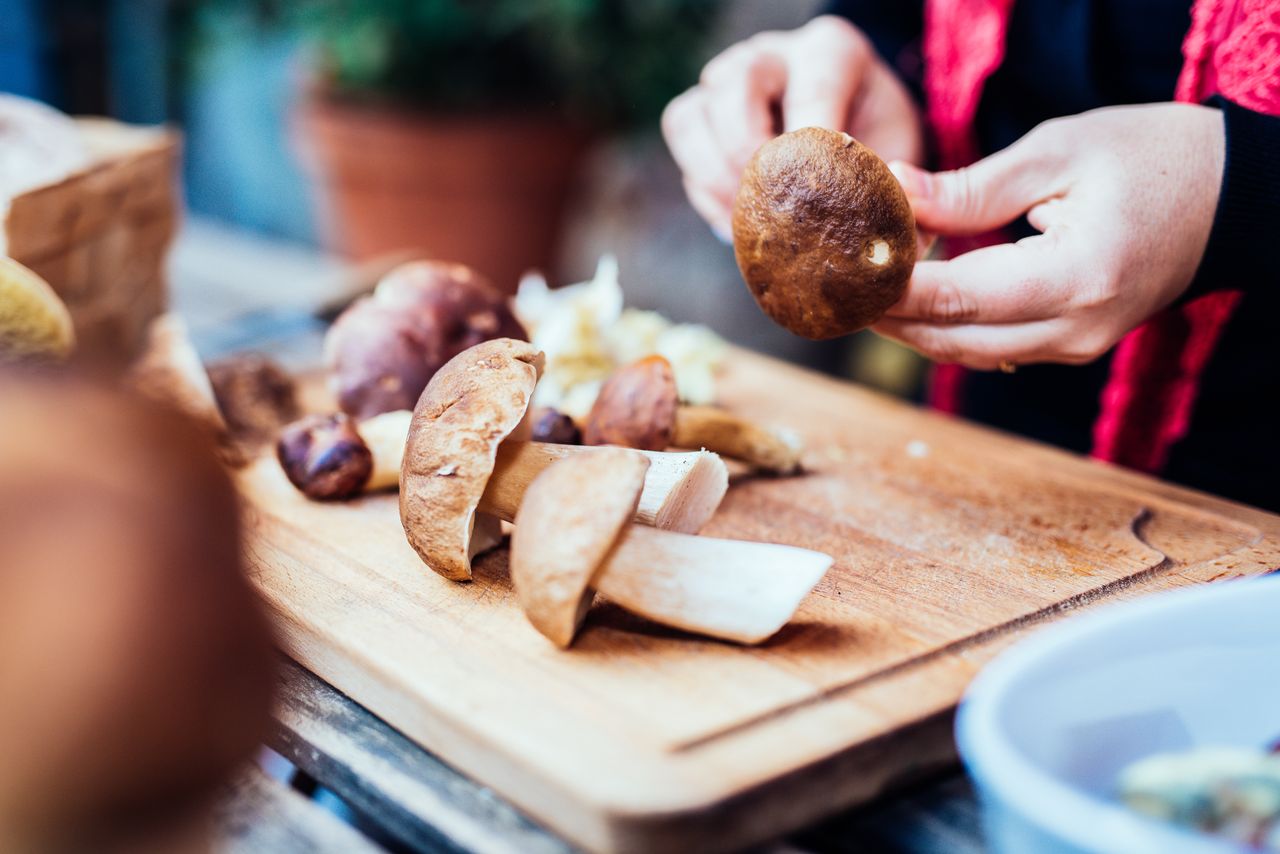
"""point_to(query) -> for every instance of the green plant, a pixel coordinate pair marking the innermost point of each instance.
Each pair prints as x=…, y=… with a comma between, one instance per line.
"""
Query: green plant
x=609, y=63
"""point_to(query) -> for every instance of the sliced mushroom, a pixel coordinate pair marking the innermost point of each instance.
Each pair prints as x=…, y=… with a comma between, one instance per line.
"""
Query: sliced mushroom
x=458, y=461
x=638, y=407
x=553, y=579
x=573, y=536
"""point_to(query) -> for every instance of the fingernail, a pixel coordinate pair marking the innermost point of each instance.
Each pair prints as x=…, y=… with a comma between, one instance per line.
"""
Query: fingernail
x=913, y=180
x=723, y=233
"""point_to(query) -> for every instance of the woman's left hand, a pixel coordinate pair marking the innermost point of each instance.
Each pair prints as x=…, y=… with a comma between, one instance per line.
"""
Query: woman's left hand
x=1124, y=199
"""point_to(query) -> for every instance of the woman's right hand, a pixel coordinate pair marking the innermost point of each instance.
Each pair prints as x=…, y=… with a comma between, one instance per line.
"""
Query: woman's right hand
x=824, y=74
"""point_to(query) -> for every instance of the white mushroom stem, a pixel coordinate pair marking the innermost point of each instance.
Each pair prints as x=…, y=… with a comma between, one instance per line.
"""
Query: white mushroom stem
x=721, y=431
x=681, y=491
x=385, y=435
x=730, y=589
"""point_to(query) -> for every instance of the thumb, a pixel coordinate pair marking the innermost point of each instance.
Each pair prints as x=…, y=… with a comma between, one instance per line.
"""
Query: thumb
x=991, y=193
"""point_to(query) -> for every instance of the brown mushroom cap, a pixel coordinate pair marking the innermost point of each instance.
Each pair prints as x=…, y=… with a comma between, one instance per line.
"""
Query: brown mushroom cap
x=470, y=406
x=823, y=233
x=385, y=347
x=636, y=407
x=570, y=518
x=325, y=457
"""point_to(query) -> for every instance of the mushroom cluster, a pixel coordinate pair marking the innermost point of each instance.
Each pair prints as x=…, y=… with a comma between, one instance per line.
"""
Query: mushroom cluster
x=575, y=510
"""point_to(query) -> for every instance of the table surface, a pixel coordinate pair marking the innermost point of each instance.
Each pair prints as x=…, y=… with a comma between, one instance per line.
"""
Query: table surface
x=240, y=292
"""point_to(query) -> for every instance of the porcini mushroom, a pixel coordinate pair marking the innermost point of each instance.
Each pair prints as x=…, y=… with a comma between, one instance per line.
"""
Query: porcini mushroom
x=638, y=407
x=323, y=456
x=573, y=536
x=385, y=347
x=332, y=457
x=459, y=462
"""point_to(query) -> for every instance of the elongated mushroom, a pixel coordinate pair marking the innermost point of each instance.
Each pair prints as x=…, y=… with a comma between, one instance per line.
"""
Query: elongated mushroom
x=573, y=536
x=638, y=407
x=335, y=457
x=459, y=462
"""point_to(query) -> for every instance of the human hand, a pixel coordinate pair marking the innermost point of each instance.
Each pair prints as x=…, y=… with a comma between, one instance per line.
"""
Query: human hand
x=1124, y=199
x=824, y=74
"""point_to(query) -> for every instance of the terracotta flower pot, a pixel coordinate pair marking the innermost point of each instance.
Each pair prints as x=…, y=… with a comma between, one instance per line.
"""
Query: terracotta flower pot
x=488, y=191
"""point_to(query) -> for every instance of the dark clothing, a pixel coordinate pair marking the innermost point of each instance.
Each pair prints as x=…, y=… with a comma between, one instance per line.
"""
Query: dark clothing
x=1064, y=58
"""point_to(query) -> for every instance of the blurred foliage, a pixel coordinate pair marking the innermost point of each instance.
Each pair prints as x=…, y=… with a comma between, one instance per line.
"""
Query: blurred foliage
x=608, y=63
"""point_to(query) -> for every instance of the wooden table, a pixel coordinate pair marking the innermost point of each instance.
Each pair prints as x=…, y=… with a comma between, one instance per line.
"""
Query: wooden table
x=240, y=293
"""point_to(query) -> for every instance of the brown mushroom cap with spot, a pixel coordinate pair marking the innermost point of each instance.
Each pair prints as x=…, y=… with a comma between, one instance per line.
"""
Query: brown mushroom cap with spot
x=470, y=406
x=591, y=499
x=823, y=233
x=636, y=407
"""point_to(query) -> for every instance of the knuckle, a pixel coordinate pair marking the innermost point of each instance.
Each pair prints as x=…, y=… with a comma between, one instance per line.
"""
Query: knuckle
x=951, y=304
x=1085, y=345
x=679, y=112
x=832, y=29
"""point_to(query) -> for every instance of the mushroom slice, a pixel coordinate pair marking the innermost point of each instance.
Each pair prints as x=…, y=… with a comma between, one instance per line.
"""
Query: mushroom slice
x=552, y=575
x=572, y=537
x=470, y=406
x=730, y=589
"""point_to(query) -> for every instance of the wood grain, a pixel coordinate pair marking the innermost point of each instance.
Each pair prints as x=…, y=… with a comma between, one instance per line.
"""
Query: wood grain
x=950, y=541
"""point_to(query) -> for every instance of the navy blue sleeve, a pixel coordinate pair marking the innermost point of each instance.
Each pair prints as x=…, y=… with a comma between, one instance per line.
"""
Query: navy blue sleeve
x=895, y=28
x=1241, y=253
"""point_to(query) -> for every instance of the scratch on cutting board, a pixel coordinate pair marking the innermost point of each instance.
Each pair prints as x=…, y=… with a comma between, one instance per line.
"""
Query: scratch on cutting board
x=1080, y=600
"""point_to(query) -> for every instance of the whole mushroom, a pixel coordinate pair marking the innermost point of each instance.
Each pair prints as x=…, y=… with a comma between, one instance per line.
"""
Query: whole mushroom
x=574, y=536
x=385, y=347
x=639, y=407
x=823, y=233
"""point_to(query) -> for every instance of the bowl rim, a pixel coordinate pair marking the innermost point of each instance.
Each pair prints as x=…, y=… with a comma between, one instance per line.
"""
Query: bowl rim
x=1084, y=820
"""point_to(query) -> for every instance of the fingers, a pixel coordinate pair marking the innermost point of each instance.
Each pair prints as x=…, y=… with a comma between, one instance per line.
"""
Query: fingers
x=986, y=347
x=987, y=195
x=1006, y=283
x=711, y=182
x=739, y=95
x=825, y=66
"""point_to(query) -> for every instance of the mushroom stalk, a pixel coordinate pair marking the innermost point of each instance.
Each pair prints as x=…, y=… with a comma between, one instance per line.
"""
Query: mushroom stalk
x=638, y=407
x=574, y=537
x=770, y=449
x=730, y=589
x=681, y=491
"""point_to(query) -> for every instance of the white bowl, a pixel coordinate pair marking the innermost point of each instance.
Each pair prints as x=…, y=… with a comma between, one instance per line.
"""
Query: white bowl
x=1047, y=727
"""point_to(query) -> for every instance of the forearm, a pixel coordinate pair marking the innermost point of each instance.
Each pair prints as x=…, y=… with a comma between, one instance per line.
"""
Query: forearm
x=1241, y=252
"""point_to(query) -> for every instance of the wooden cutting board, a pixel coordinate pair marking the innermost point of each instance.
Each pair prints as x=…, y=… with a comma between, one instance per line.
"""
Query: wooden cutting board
x=950, y=541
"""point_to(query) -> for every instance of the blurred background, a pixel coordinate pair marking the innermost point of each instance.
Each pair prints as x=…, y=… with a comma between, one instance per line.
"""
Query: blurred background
x=506, y=134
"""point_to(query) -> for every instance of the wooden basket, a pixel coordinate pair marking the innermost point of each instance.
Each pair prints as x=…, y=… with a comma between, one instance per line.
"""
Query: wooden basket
x=101, y=235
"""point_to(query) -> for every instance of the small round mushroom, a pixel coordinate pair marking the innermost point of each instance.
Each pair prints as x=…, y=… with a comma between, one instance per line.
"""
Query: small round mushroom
x=256, y=396
x=384, y=348
x=332, y=457
x=325, y=457
x=573, y=536
x=550, y=425
x=639, y=407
